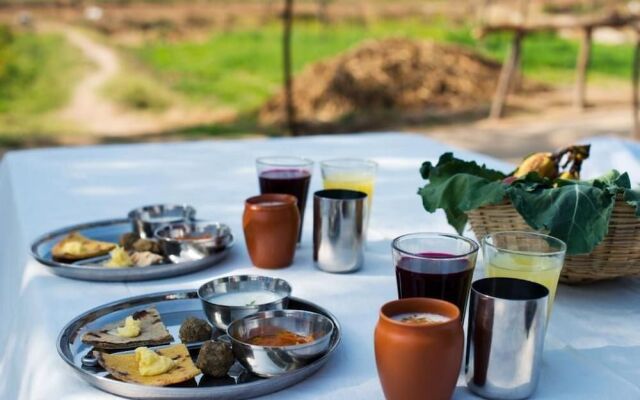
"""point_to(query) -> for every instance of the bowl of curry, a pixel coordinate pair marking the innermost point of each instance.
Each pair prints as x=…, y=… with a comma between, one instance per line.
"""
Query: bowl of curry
x=272, y=343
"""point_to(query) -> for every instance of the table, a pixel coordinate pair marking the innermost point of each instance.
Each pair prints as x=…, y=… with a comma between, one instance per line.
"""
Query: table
x=593, y=342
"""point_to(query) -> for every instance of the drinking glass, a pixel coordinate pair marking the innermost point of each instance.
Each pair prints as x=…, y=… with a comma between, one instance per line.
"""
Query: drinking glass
x=436, y=265
x=353, y=174
x=286, y=175
x=530, y=256
x=338, y=230
x=505, y=337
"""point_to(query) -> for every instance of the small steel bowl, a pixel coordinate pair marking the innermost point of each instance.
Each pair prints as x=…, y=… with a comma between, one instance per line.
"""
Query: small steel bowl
x=193, y=240
x=145, y=220
x=221, y=316
x=269, y=361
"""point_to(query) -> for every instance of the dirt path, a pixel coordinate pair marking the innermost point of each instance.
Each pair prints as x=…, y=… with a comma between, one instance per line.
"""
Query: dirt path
x=87, y=108
x=96, y=115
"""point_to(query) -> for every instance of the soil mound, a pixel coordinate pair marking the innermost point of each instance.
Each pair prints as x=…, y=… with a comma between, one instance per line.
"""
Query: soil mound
x=382, y=79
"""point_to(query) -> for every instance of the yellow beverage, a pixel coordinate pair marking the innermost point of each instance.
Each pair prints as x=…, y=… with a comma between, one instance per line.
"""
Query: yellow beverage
x=352, y=181
x=542, y=270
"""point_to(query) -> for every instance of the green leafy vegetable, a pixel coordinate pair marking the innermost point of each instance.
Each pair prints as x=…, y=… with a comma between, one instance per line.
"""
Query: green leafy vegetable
x=632, y=197
x=576, y=212
x=459, y=186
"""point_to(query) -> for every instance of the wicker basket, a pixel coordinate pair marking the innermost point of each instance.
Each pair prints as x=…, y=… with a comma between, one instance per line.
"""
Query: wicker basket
x=618, y=255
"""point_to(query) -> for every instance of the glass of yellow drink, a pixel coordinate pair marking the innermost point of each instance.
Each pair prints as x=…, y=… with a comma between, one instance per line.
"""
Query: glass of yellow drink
x=525, y=255
x=353, y=174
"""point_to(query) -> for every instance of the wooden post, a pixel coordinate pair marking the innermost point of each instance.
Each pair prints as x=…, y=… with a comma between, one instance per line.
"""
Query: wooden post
x=582, y=65
x=636, y=90
x=323, y=11
x=509, y=69
x=287, y=20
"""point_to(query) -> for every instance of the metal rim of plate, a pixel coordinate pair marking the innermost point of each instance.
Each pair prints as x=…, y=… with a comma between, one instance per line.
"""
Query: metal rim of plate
x=99, y=273
x=72, y=331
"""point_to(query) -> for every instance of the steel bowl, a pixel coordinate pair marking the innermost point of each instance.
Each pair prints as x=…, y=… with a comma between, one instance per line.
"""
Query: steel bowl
x=145, y=220
x=193, y=240
x=221, y=316
x=270, y=361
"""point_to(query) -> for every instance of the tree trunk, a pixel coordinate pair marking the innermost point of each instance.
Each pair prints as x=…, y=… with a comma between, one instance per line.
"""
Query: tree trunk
x=287, y=20
x=636, y=90
x=582, y=66
x=509, y=70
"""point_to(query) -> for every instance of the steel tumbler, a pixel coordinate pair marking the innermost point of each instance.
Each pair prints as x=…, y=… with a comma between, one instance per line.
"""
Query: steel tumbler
x=505, y=337
x=338, y=229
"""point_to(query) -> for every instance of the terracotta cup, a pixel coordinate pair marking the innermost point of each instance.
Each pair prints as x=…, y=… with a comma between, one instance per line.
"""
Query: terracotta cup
x=418, y=361
x=270, y=223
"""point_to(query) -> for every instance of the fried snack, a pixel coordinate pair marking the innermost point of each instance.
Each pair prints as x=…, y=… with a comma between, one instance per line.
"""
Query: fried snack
x=146, y=245
x=145, y=258
x=128, y=239
x=75, y=247
x=195, y=330
x=215, y=358
x=152, y=332
x=124, y=367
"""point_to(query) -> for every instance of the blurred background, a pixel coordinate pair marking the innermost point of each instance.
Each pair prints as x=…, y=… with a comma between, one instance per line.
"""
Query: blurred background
x=77, y=72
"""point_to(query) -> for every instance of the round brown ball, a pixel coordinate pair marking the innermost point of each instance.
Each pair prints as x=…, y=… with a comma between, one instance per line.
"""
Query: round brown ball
x=215, y=358
x=195, y=330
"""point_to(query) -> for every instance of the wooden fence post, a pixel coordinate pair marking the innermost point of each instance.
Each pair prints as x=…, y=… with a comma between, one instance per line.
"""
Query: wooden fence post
x=509, y=69
x=582, y=65
x=635, y=81
x=287, y=20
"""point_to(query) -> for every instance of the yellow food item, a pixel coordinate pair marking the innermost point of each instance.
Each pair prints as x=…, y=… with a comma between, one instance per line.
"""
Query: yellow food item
x=568, y=175
x=125, y=367
x=542, y=163
x=119, y=258
x=152, y=364
x=130, y=329
x=75, y=246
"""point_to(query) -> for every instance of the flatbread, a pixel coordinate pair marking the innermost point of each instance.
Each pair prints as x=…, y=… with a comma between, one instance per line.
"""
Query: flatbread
x=75, y=246
x=124, y=367
x=152, y=333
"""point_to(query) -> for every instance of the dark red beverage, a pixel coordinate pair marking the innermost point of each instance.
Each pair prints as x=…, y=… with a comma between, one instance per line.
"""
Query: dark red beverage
x=435, y=275
x=287, y=181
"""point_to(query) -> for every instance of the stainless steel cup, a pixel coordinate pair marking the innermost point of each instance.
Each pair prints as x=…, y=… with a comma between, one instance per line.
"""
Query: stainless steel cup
x=338, y=229
x=505, y=337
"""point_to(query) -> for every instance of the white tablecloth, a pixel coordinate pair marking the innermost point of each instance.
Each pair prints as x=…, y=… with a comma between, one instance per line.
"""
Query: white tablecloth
x=593, y=342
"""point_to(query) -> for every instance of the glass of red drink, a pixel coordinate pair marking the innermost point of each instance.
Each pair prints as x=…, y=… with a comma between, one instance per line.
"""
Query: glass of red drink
x=436, y=265
x=286, y=175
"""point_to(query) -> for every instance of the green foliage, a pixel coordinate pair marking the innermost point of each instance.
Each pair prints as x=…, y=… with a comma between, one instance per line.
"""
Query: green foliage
x=35, y=72
x=459, y=186
x=138, y=92
x=576, y=212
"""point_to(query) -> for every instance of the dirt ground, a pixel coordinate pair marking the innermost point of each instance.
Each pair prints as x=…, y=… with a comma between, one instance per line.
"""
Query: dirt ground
x=544, y=123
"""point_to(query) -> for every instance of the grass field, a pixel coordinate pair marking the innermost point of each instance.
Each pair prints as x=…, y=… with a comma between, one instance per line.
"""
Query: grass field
x=35, y=72
x=242, y=68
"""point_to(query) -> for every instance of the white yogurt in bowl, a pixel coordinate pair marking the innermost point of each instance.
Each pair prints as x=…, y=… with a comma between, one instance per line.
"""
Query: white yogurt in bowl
x=233, y=297
x=245, y=298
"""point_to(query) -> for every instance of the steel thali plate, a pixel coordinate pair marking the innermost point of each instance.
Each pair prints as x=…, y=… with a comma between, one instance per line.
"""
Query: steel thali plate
x=174, y=307
x=110, y=231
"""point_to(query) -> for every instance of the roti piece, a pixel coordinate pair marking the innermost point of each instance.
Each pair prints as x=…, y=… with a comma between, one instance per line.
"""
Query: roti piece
x=124, y=367
x=75, y=246
x=152, y=333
